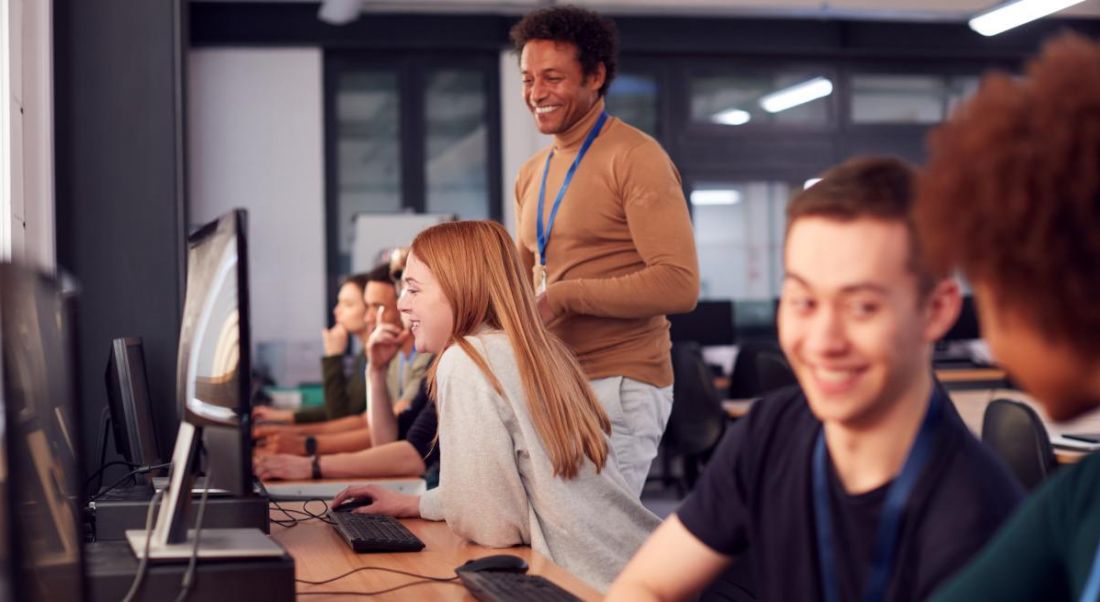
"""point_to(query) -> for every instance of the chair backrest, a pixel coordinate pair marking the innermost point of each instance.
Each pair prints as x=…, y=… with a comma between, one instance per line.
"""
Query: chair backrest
x=697, y=419
x=773, y=372
x=1016, y=434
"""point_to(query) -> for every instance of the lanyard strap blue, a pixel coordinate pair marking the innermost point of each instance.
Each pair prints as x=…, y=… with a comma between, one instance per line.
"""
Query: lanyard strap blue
x=896, y=499
x=544, y=233
x=1091, y=593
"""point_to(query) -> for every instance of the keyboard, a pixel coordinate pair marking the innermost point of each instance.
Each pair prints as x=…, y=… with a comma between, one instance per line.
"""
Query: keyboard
x=506, y=586
x=374, y=533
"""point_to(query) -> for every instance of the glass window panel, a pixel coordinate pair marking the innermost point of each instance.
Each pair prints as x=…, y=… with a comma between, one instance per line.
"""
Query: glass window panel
x=915, y=99
x=368, y=150
x=456, y=127
x=739, y=236
x=960, y=88
x=633, y=98
x=801, y=97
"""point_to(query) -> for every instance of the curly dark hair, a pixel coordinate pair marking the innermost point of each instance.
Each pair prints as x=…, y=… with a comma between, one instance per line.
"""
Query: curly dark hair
x=1012, y=192
x=595, y=36
x=882, y=188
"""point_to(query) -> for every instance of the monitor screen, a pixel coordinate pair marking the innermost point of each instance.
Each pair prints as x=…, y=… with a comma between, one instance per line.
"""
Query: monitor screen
x=39, y=527
x=129, y=403
x=966, y=327
x=709, y=324
x=213, y=367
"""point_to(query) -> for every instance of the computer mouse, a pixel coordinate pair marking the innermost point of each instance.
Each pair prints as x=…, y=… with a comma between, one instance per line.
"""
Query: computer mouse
x=497, y=562
x=352, y=504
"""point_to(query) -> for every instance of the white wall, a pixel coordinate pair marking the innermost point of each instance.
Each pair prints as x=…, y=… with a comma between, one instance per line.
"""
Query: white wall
x=519, y=138
x=256, y=141
x=26, y=132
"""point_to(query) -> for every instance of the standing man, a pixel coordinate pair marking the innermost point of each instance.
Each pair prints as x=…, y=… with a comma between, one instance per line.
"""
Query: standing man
x=604, y=228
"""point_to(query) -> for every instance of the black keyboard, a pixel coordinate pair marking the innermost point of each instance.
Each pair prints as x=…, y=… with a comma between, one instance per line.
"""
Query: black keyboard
x=374, y=533
x=506, y=586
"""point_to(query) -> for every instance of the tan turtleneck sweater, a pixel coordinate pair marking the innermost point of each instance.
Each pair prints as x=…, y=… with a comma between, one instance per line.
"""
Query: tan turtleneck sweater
x=621, y=253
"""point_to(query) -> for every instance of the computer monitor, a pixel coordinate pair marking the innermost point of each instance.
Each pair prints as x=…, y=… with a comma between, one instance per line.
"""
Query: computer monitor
x=709, y=324
x=966, y=327
x=130, y=406
x=213, y=373
x=40, y=535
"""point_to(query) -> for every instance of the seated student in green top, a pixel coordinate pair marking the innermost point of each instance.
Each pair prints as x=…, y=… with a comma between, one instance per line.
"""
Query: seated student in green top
x=1012, y=196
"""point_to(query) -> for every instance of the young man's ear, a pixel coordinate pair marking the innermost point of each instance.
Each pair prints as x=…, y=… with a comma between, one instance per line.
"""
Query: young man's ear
x=941, y=308
x=596, y=79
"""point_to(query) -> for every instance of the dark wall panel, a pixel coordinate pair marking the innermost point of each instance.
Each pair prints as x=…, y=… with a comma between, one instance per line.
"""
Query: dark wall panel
x=120, y=202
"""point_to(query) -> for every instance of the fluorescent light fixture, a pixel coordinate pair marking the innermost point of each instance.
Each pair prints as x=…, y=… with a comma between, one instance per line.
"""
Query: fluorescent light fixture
x=781, y=100
x=339, y=12
x=731, y=117
x=810, y=182
x=1014, y=14
x=728, y=196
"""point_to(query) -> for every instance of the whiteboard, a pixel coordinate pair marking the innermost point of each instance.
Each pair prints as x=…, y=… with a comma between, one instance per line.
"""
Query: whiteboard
x=376, y=234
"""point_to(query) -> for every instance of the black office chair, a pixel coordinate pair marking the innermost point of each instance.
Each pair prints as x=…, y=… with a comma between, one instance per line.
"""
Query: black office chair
x=758, y=369
x=773, y=372
x=1016, y=434
x=697, y=420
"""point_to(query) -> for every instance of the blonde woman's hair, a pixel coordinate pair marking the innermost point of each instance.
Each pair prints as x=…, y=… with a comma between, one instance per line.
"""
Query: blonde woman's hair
x=480, y=274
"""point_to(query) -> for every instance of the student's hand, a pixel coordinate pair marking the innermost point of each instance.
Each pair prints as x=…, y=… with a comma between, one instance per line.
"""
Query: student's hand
x=282, y=466
x=263, y=431
x=270, y=414
x=384, y=343
x=543, y=304
x=285, y=443
x=386, y=501
x=335, y=340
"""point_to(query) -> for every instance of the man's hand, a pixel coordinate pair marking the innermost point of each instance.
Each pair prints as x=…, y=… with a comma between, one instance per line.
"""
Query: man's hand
x=543, y=304
x=386, y=501
x=270, y=414
x=335, y=340
x=262, y=431
x=384, y=343
x=285, y=443
x=282, y=466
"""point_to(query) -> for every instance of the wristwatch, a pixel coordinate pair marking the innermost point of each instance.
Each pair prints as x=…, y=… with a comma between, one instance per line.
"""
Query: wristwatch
x=315, y=463
x=311, y=445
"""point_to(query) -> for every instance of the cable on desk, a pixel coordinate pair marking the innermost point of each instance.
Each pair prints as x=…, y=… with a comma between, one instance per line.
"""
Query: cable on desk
x=377, y=568
x=378, y=592
x=144, y=564
x=189, y=575
x=291, y=521
x=126, y=477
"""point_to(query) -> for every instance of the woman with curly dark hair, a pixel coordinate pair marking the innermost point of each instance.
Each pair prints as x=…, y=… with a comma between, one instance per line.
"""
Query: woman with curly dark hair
x=1012, y=197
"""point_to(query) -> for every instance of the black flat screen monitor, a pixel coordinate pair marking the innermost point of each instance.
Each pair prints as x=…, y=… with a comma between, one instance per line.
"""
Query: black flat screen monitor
x=709, y=324
x=966, y=327
x=129, y=403
x=40, y=532
x=212, y=374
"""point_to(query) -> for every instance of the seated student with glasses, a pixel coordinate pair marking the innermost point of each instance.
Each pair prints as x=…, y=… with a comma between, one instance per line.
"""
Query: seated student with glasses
x=1012, y=196
x=524, y=441
x=865, y=484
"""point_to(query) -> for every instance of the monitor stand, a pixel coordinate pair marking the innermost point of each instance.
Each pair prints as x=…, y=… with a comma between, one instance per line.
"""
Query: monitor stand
x=213, y=543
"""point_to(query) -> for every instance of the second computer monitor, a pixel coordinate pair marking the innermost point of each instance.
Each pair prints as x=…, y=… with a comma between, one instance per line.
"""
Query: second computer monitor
x=129, y=403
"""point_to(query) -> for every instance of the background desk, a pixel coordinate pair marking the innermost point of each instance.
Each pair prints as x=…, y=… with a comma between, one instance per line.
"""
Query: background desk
x=971, y=405
x=320, y=553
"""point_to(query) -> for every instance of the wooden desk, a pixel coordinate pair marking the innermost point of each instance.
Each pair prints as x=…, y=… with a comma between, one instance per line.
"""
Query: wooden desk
x=320, y=553
x=991, y=377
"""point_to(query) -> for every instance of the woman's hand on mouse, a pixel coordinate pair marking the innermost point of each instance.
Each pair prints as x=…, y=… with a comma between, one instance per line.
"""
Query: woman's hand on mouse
x=386, y=501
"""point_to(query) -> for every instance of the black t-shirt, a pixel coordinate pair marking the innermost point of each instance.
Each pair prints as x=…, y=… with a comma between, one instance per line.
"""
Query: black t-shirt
x=755, y=500
x=418, y=425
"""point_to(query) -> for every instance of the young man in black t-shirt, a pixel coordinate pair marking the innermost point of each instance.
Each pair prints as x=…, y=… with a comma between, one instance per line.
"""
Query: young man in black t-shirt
x=864, y=484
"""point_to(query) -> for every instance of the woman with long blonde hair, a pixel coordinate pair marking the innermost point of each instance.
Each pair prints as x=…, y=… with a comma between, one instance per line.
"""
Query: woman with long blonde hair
x=523, y=440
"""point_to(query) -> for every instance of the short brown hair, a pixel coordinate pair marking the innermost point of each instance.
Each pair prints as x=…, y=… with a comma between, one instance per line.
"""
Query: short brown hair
x=880, y=188
x=1012, y=192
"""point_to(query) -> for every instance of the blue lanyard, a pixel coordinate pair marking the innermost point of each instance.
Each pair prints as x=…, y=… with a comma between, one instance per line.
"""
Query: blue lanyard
x=896, y=498
x=544, y=233
x=1091, y=593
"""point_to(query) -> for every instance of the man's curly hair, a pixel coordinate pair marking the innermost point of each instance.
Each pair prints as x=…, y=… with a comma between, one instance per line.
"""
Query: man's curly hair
x=1011, y=193
x=596, y=38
